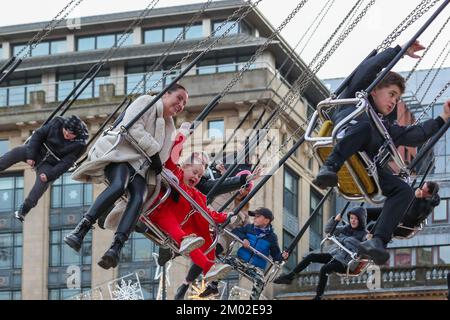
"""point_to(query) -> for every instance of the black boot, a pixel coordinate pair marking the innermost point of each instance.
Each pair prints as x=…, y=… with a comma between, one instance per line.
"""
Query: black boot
x=21, y=213
x=375, y=249
x=112, y=256
x=285, y=278
x=164, y=255
x=75, y=238
x=211, y=289
x=327, y=177
x=181, y=292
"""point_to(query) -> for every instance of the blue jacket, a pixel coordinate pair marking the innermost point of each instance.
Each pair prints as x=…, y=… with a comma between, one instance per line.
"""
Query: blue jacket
x=264, y=242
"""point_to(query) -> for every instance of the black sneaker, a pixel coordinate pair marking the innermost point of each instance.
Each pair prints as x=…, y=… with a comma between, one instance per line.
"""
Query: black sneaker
x=374, y=249
x=210, y=290
x=284, y=279
x=181, y=292
x=327, y=177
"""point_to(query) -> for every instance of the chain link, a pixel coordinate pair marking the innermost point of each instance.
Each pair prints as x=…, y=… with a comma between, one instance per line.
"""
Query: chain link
x=45, y=32
x=158, y=63
x=431, y=105
x=216, y=40
x=418, y=12
x=427, y=49
x=263, y=47
x=435, y=75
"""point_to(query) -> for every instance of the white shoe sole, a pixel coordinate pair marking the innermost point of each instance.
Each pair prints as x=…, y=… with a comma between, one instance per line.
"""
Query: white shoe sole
x=219, y=274
x=192, y=246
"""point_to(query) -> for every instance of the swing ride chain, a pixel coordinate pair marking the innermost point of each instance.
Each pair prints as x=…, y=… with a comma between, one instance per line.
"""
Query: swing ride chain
x=263, y=47
x=433, y=102
x=427, y=49
x=418, y=12
x=209, y=48
x=38, y=37
x=435, y=75
x=157, y=64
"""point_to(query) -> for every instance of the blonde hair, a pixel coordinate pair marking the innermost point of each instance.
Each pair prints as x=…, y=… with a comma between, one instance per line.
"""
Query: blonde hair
x=197, y=158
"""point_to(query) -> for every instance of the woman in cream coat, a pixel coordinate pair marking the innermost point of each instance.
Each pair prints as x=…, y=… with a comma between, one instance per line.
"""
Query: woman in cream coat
x=126, y=170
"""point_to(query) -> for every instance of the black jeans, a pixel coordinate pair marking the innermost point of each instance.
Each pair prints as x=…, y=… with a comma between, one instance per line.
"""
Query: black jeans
x=330, y=266
x=118, y=175
x=362, y=137
x=19, y=154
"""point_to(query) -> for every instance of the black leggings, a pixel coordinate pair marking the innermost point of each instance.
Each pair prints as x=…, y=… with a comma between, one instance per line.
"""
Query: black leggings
x=19, y=154
x=330, y=266
x=118, y=175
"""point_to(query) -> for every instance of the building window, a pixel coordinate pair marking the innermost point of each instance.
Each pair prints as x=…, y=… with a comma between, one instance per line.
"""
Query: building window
x=104, y=41
x=424, y=256
x=169, y=34
x=223, y=64
x=216, y=129
x=137, y=257
x=69, y=200
x=17, y=92
x=240, y=27
x=402, y=257
x=141, y=79
x=4, y=147
x=11, y=241
x=292, y=261
x=1, y=53
x=444, y=255
x=44, y=48
x=316, y=230
x=68, y=81
x=440, y=212
x=290, y=194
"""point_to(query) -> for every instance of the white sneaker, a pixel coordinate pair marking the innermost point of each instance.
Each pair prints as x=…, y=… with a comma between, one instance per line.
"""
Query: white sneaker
x=190, y=243
x=218, y=272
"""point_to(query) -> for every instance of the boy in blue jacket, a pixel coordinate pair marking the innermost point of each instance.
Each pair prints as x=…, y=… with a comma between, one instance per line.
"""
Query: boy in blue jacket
x=259, y=235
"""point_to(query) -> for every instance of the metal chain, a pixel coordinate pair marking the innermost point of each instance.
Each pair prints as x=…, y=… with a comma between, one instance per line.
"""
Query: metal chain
x=303, y=81
x=431, y=105
x=263, y=47
x=418, y=12
x=44, y=33
x=326, y=8
x=216, y=40
x=431, y=69
x=158, y=63
x=434, y=77
x=427, y=49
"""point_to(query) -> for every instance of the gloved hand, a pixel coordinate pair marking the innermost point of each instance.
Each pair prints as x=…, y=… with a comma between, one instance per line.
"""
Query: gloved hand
x=185, y=129
x=156, y=164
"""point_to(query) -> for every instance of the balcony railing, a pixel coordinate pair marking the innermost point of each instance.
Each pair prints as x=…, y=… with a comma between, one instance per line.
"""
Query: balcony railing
x=391, y=280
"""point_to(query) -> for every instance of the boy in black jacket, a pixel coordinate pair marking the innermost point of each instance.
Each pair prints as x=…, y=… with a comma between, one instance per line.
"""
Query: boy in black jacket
x=335, y=260
x=66, y=140
x=360, y=135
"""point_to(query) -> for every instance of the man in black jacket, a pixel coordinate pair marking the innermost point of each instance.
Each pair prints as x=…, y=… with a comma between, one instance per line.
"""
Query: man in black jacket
x=51, y=151
x=360, y=135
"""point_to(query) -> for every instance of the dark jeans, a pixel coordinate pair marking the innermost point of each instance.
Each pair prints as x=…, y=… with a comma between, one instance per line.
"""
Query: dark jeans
x=361, y=137
x=330, y=266
x=118, y=175
x=19, y=154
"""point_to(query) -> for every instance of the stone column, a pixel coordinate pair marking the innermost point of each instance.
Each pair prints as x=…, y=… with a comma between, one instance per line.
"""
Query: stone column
x=35, y=245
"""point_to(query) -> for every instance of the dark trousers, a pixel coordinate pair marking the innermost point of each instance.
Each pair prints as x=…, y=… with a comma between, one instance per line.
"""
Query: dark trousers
x=330, y=266
x=361, y=137
x=19, y=154
x=118, y=175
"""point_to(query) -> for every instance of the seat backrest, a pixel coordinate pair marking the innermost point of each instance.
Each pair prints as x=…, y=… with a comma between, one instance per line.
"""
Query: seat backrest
x=347, y=185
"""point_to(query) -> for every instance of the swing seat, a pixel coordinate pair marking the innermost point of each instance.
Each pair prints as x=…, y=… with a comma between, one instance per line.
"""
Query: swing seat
x=354, y=181
x=405, y=232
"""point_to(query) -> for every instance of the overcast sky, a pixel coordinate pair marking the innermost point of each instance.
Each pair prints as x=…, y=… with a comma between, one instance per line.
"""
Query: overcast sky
x=381, y=19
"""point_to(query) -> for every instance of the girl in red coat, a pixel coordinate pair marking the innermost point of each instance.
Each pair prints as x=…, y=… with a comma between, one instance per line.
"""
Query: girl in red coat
x=193, y=235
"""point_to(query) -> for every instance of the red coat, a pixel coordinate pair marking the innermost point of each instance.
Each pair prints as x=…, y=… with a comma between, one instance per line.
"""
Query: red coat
x=196, y=223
